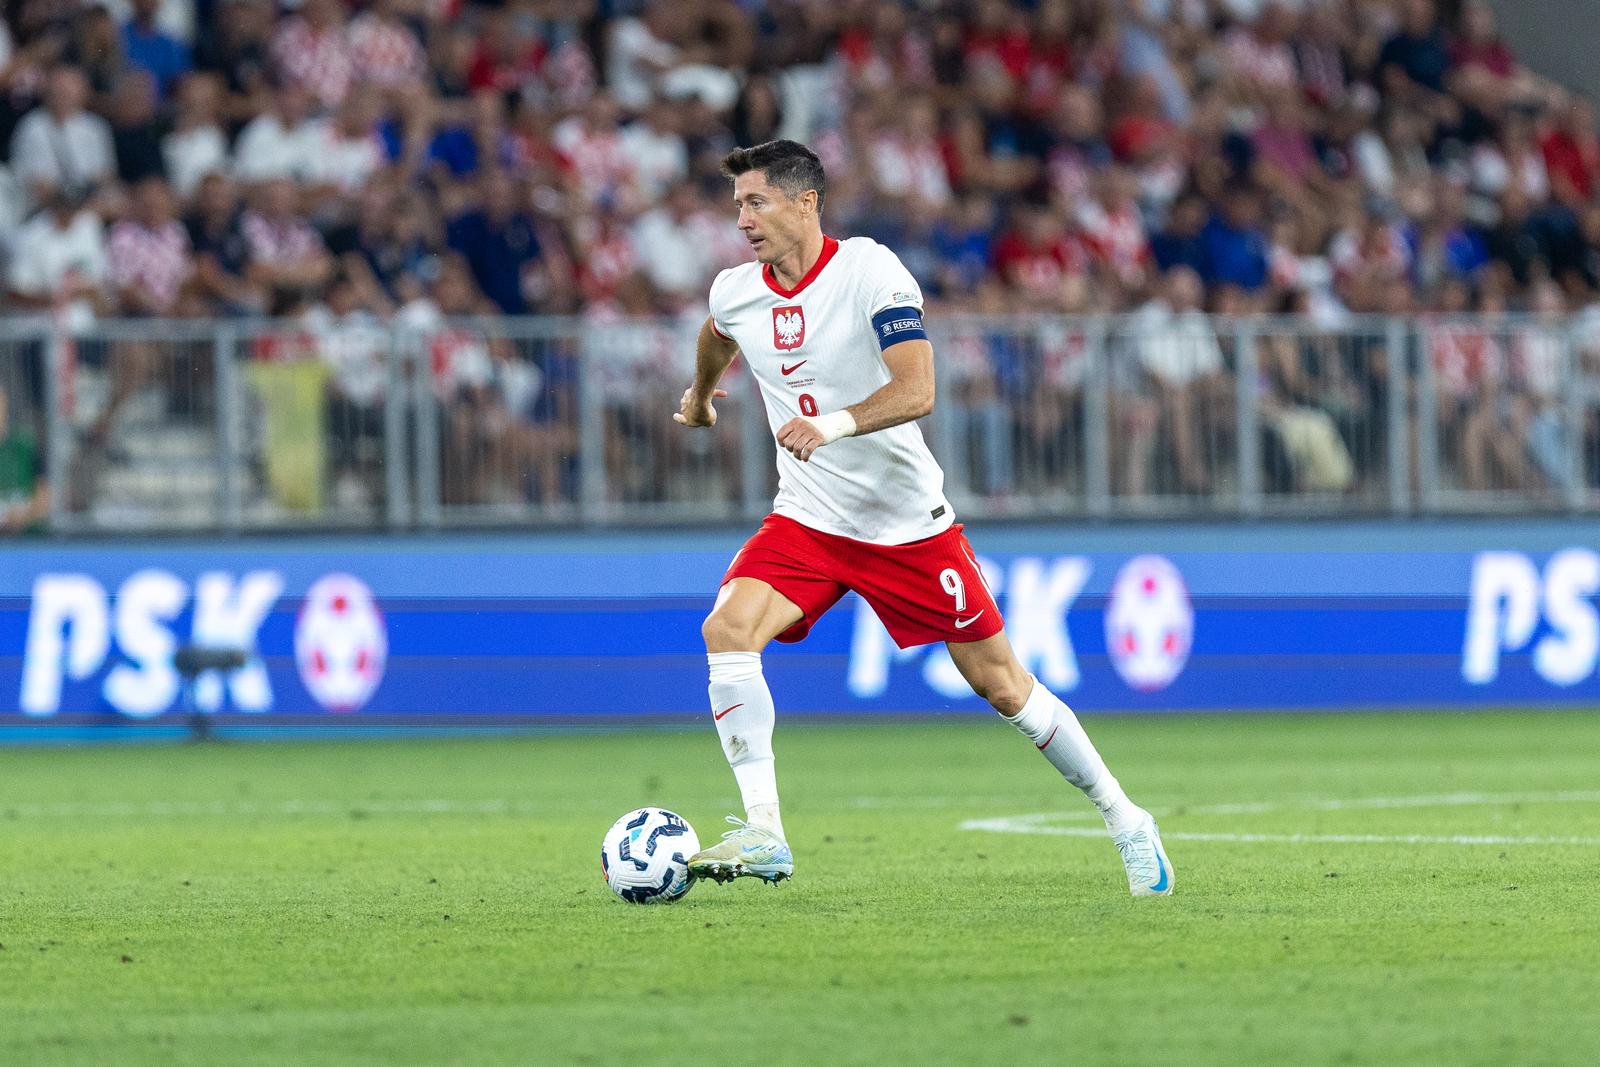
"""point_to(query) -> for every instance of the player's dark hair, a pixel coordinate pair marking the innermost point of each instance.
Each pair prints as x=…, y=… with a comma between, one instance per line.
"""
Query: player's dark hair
x=789, y=165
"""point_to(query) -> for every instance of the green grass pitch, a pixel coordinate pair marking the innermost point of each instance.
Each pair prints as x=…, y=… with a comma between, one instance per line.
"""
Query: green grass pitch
x=441, y=901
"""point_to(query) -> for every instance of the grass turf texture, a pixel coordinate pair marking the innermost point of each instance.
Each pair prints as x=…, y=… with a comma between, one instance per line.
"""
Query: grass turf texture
x=441, y=901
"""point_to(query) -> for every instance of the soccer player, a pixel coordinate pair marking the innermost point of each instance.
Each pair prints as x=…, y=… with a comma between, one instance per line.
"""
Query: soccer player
x=833, y=333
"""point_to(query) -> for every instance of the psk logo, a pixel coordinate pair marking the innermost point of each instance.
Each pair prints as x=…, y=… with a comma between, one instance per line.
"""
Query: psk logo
x=340, y=642
x=788, y=328
x=1149, y=623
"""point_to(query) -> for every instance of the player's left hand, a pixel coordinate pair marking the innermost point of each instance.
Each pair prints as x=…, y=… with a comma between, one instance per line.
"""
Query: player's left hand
x=800, y=437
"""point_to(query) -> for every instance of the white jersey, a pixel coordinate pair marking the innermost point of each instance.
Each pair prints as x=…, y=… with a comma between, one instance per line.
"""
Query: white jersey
x=814, y=349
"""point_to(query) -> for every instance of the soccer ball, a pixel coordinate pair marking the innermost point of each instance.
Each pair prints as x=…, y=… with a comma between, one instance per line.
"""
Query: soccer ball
x=645, y=856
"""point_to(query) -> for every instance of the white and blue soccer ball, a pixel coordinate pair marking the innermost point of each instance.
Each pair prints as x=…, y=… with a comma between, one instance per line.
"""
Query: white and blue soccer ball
x=645, y=856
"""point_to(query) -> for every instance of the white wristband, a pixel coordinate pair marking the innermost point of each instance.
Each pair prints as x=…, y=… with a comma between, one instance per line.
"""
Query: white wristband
x=834, y=425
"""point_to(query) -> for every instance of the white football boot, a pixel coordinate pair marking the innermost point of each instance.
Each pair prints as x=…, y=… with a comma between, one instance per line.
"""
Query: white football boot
x=1149, y=870
x=745, y=852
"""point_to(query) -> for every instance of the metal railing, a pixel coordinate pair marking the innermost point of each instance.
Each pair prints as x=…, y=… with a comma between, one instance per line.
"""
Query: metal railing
x=234, y=426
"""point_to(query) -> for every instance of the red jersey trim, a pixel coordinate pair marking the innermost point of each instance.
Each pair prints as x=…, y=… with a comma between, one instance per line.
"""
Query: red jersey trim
x=718, y=332
x=829, y=247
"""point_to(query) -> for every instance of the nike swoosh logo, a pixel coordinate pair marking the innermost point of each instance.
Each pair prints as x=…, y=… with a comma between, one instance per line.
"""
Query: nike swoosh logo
x=962, y=624
x=1042, y=745
x=719, y=714
x=1161, y=883
x=797, y=366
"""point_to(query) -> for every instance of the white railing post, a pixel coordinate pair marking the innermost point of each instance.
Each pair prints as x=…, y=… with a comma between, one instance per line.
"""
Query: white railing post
x=1395, y=343
x=1248, y=422
x=230, y=426
x=1097, y=420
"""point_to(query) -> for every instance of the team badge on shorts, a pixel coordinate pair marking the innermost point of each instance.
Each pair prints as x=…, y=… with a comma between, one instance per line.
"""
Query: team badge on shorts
x=788, y=327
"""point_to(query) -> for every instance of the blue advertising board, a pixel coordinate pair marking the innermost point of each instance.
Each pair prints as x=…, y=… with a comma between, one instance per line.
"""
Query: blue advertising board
x=565, y=626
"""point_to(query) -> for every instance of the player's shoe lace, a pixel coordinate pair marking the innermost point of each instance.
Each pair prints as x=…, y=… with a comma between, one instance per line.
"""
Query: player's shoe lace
x=1149, y=871
x=746, y=850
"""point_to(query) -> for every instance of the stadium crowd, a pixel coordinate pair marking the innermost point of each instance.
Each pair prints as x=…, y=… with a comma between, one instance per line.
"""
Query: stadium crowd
x=404, y=159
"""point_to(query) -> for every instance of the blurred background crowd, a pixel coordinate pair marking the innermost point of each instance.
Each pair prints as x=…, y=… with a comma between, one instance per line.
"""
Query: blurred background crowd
x=237, y=157
x=350, y=164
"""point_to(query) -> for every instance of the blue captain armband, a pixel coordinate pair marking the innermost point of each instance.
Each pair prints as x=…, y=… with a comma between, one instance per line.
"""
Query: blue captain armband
x=893, y=325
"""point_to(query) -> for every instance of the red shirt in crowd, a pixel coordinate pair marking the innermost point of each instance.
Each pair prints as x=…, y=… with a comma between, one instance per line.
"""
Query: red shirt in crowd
x=1039, y=266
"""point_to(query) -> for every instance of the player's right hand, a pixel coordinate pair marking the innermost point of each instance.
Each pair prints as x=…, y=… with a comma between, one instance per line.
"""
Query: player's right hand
x=697, y=410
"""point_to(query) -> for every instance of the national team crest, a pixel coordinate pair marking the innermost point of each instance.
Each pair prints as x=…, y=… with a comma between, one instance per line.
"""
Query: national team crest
x=788, y=328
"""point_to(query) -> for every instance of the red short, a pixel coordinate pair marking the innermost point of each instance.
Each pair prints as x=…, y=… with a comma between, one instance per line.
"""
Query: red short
x=925, y=591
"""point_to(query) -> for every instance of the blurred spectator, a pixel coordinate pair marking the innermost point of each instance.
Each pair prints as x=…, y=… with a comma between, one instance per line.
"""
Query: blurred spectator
x=311, y=50
x=59, y=145
x=595, y=154
x=1444, y=243
x=59, y=261
x=1181, y=243
x=136, y=131
x=1513, y=158
x=1258, y=55
x=983, y=369
x=1040, y=259
x=384, y=51
x=281, y=142
x=1571, y=151
x=347, y=147
x=497, y=240
x=657, y=152
x=395, y=239
x=350, y=340
x=96, y=49
x=1178, y=352
x=674, y=245
x=1414, y=61
x=285, y=255
x=1235, y=245
x=1302, y=449
x=222, y=253
x=149, y=48
x=149, y=258
x=235, y=49
x=506, y=59
x=638, y=52
x=906, y=159
x=963, y=239
x=758, y=115
x=608, y=257
x=1541, y=374
x=197, y=145
x=1114, y=231
x=24, y=491
x=1076, y=150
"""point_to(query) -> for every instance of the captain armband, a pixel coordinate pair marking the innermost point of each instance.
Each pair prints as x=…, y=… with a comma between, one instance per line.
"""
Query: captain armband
x=893, y=325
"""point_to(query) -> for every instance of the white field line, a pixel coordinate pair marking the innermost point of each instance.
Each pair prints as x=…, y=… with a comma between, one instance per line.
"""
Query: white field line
x=186, y=808
x=523, y=806
x=1030, y=824
x=1435, y=800
x=413, y=806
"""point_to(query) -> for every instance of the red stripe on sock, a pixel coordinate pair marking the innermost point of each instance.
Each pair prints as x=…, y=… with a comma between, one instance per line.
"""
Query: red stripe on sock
x=1042, y=745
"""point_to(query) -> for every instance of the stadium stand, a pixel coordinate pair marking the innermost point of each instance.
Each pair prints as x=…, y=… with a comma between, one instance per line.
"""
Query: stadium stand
x=332, y=188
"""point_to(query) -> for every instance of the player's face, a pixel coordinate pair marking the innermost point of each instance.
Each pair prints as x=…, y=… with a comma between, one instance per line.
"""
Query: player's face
x=771, y=220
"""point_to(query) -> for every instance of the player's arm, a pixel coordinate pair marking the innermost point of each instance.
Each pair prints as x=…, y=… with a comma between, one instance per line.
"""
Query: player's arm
x=907, y=396
x=713, y=354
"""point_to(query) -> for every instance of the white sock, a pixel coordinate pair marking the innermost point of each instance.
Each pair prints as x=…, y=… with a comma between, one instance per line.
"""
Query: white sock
x=741, y=704
x=1056, y=732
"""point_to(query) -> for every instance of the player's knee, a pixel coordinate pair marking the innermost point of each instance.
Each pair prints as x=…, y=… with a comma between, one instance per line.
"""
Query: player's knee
x=725, y=631
x=1006, y=691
